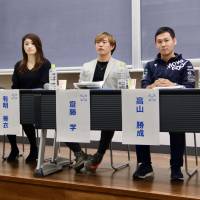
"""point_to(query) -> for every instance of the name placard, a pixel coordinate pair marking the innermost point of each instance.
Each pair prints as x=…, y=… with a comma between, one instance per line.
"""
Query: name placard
x=9, y=112
x=73, y=115
x=140, y=117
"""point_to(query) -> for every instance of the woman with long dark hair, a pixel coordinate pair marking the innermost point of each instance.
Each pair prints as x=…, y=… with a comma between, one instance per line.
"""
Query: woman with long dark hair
x=30, y=73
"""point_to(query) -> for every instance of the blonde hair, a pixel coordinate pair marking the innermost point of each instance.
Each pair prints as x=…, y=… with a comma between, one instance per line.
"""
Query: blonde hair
x=110, y=37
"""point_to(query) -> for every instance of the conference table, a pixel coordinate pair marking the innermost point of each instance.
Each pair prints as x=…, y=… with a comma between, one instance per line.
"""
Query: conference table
x=179, y=112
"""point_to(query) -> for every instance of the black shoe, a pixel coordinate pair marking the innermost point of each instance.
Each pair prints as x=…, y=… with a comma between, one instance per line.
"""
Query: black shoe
x=13, y=156
x=33, y=156
x=93, y=162
x=81, y=157
x=176, y=174
x=143, y=171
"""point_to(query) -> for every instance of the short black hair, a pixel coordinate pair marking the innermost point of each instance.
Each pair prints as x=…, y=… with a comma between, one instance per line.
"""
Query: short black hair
x=165, y=29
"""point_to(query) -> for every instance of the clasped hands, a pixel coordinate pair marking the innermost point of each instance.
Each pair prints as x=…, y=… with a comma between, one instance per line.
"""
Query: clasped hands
x=161, y=82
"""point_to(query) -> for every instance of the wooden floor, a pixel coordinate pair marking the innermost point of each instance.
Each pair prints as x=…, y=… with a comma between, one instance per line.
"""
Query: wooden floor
x=17, y=181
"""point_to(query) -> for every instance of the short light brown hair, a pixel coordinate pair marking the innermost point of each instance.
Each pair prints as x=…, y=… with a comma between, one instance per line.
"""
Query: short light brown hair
x=110, y=37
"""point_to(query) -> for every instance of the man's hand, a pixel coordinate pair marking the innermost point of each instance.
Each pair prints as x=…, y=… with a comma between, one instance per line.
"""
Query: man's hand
x=161, y=82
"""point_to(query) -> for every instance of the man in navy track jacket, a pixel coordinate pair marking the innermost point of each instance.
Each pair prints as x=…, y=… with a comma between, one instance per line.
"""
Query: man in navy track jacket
x=167, y=70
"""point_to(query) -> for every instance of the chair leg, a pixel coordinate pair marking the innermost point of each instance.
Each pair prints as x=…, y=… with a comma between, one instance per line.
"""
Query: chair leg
x=85, y=148
x=4, y=143
x=56, y=148
x=116, y=168
x=23, y=141
x=37, y=138
x=194, y=171
x=70, y=158
x=128, y=151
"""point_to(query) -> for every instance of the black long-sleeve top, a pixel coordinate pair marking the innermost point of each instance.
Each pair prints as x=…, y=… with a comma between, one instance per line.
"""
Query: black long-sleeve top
x=31, y=79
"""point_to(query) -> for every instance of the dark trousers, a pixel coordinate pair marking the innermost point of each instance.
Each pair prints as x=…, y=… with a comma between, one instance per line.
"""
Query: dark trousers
x=177, y=147
x=30, y=133
x=106, y=137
